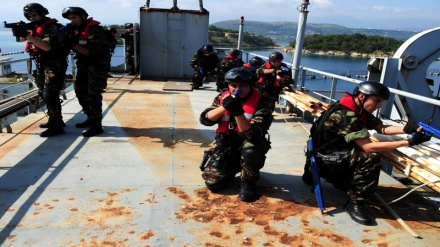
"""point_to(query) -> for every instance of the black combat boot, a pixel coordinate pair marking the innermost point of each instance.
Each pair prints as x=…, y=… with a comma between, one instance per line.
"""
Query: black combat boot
x=95, y=128
x=357, y=211
x=55, y=128
x=248, y=191
x=85, y=124
x=50, y=123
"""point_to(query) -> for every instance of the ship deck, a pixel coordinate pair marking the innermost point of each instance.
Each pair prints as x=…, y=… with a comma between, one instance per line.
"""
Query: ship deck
x=139, y=183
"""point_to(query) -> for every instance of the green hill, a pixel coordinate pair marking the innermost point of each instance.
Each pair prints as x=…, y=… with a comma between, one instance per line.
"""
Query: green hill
x=228, y=37
x=285, y=32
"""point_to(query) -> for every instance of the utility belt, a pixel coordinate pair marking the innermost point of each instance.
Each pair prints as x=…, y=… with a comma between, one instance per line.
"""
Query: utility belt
x=333, y=158
x=215, y=156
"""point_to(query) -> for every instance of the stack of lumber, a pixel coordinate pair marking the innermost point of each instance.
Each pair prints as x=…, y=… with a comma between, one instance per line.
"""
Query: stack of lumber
x=305, y=103
x=421, y=162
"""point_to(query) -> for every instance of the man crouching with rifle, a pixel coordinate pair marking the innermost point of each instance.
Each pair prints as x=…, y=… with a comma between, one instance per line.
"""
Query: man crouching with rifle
x=50, y=57
x=243, y=116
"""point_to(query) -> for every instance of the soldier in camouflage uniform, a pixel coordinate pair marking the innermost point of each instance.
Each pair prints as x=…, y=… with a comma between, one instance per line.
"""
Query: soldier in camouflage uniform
x=273, y=77
x=345, y=134
x=205, y=63
x=50, y=57
x=243, y=116
x=128, y=36
x=230, y=61
x=92, y=54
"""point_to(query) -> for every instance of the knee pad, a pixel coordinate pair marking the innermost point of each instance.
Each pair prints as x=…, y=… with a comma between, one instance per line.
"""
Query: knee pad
x=253, y=159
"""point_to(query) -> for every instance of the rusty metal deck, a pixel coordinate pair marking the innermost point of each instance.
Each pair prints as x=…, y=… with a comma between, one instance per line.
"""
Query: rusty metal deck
x=138, y=184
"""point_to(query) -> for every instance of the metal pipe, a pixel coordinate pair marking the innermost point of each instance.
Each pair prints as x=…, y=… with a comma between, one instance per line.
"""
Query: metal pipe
x=13, y=104
x=299, y=40
x=148, y=4
x=175, y=8
x=240, y=34
x=135, y=46
x=392, y=90
x=201, y=6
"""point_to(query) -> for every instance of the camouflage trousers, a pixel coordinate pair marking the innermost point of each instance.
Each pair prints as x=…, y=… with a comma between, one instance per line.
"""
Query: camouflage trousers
x=246, y=158
x=197, y=79
x=50, y=81
x=89, y=85
x=360, y=173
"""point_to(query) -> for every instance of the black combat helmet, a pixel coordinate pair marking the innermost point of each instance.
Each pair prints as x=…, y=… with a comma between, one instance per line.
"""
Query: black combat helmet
x=112, y=30
x=74, y=10
x=31, y=7
x=256, y=61
x=372, y=88
x=208, y=49
x=234, y=53
x=276, y=56
x=128, y=25
x=239, y=75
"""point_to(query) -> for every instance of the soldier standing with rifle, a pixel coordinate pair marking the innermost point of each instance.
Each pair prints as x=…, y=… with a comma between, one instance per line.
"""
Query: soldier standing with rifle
x=92, y=53
x=50, y=58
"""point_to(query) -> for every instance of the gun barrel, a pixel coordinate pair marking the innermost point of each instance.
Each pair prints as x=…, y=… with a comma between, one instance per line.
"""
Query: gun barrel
x=429, y=130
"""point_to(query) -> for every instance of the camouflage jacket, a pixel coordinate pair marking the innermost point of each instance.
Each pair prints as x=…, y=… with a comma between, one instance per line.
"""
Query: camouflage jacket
x=98, y=47
x=229, y=63
x=208, y=63
x=345, y=126
x=260, y=123
x=58, y=52
x=266, y=82
x=129, y=42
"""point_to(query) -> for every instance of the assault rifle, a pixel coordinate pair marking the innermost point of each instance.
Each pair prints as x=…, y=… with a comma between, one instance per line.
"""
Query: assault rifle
x=429, y=130
x=18, y=25
x=214, y=156
x=284, y=70
x=316, y=179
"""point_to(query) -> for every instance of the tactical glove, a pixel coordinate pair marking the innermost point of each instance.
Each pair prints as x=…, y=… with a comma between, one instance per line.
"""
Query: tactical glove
x=20, y=31
x=233, y=105
x=418, y=138
x=410, y=128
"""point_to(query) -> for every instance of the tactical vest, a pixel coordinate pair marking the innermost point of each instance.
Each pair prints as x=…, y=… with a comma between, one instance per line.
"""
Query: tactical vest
x=84, y=34
x=276, y=81
x=249, y=107
x=38, y=33
x=316, y=131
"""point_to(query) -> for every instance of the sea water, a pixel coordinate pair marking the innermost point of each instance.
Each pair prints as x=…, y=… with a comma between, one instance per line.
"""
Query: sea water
x=354, y=67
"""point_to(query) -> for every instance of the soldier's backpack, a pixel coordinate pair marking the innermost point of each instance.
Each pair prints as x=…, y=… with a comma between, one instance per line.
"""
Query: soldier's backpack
x=316, y=129
x=110, y=40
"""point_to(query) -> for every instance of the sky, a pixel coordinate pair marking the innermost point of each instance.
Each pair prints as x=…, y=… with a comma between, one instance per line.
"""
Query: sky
x=408, y=15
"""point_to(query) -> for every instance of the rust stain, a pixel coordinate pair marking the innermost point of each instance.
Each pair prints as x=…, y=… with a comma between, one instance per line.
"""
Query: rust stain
x=229, y=220
x=146, y=236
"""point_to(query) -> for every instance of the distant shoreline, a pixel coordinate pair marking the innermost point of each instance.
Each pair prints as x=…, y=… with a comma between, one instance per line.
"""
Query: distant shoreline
x=338, y=53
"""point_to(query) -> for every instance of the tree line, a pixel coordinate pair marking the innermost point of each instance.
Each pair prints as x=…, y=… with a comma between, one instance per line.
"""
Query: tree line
x=351, y=43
